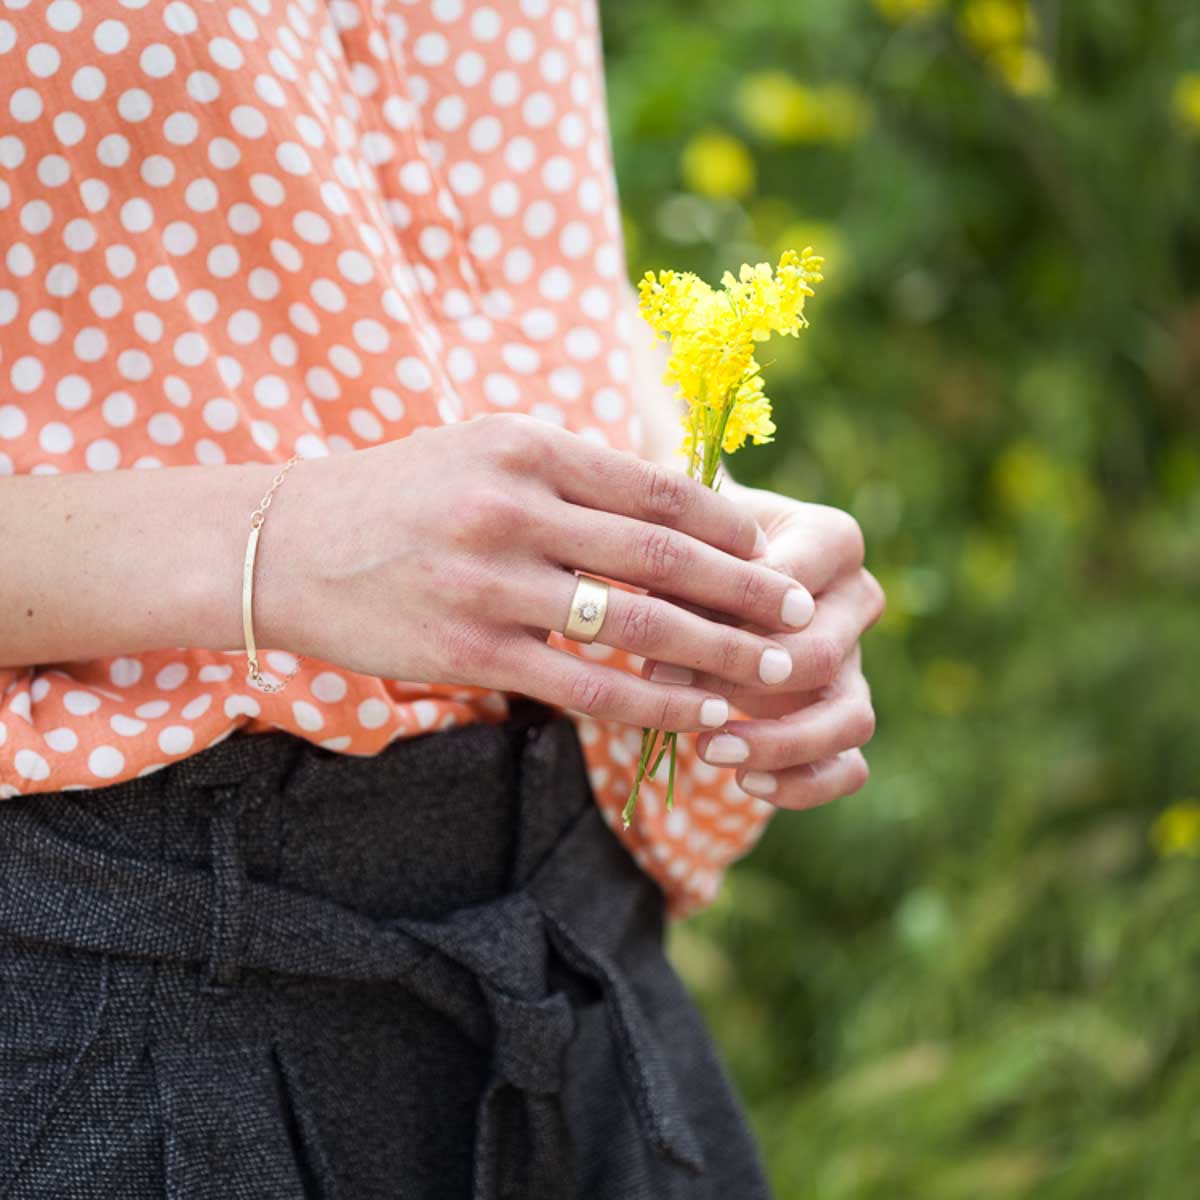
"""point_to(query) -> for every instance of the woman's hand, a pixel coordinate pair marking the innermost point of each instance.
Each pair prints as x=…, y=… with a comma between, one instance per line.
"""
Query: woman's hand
x=447, y=556
x=802, y=746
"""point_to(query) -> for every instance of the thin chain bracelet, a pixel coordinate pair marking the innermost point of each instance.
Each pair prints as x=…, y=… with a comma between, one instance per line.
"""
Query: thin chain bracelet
x=256, y=519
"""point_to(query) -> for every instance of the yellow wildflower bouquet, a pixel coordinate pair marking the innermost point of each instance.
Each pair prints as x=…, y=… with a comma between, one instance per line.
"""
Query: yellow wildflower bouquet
x=713, y=335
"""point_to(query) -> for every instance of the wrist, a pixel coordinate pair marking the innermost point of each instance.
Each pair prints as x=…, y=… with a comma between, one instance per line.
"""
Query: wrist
x=216, y=589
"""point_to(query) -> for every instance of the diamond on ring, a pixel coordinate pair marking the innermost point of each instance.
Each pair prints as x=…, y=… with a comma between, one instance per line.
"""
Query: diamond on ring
x=588, y=604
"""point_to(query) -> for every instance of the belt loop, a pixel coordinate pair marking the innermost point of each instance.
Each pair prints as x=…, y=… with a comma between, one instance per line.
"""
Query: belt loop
x=229, y=877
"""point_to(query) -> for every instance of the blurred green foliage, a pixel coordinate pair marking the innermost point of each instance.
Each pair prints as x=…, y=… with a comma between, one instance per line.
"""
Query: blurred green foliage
x=980, y=976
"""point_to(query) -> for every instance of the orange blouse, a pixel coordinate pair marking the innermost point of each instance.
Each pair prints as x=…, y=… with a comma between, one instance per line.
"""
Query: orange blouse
x=230, y=232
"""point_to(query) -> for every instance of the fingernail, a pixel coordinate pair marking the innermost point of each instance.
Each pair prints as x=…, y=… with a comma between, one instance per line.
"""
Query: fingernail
x=714, y=713
x=798, y=607
x=725, y=748
x=760, y=543
x=774, y=666
x=670, y=673
x=759, y=783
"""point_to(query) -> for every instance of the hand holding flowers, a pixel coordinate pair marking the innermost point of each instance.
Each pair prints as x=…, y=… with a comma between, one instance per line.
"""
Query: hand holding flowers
x=823, y=697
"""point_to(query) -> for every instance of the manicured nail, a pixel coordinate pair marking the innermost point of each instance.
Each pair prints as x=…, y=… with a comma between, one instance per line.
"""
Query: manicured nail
x=725, y=748
x=759, y=783
x=774, y=666
x=670, y=673
x=714, y=712
x=798, y=607
x=760, y=543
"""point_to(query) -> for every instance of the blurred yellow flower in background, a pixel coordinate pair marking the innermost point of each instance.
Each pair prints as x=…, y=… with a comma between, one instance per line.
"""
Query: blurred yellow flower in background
x=1176, y=830
x=1024, y=69
x=1185, y=100
x=901, y=12
x=778, y=107
x=1002, y=33
x=717, y=164
x=990, y=25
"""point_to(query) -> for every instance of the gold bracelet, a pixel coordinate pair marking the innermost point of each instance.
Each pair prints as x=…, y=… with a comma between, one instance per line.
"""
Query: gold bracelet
x=256, y=519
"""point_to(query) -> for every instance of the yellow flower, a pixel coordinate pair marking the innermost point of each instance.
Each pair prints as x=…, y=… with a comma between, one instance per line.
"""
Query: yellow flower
x=713, y=334
x=717, y=164
x=1185, y=100
x=777, y=106
x=767, y=301
x=750, y=416
x=1176, y=830
x=901, y=12
x=991, y=24
x=1024, y=70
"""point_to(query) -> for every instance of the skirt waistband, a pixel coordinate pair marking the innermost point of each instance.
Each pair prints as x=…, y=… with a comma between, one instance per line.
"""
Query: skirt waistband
x=185, y=866
x=429, y=823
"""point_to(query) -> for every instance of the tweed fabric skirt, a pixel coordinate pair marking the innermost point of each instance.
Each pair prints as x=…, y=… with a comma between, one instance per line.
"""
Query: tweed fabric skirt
x=273, y=972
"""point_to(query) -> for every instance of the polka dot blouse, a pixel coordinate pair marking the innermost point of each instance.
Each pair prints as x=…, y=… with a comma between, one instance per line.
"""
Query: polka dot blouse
x=230, y=232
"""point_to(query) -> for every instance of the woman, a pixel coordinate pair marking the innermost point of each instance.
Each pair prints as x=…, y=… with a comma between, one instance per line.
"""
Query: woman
x=359, y=918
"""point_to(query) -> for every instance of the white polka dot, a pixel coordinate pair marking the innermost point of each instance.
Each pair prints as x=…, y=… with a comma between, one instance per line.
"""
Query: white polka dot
x=431, y=49
x=158, y=171
x=111, y=37
x=165, y=429
x=64, y=15
x=88, y=83
x=176, y=739
x=54, y=170
x=56, y=437
x=135, y=105
x=414, y=374
x=80, y=703
x=171, y=676
x=31, y=765
x=103, y=455
x=239, y=705
x=43, y=60
x=293, y=158
x=62, y=739
x=225, y=53
x=485, y=134
x=372, y=714
x=181, y=129
x=13, y=421
x=485, y=24
x=307, y=716
x=505, y=89
x=45, y=326
x=502, y=390
x=27, y=374
x=106, y=761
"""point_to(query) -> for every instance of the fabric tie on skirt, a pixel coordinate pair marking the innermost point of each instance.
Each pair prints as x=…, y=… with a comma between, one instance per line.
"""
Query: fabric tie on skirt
x=486, y=966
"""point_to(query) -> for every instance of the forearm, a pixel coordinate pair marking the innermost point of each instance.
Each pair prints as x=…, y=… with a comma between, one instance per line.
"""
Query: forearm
x=118, y=562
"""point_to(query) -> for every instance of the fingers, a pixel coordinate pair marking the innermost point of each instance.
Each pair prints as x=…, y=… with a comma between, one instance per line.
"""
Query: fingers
x=652, y=627
x=825, y=545
x=845, y=720
x=614, y=481
x=653, y=556
x=844, y=613
x=809, y=785
x=558, y=677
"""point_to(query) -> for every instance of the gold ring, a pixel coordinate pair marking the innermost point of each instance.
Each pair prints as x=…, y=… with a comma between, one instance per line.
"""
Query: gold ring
x=588, y=606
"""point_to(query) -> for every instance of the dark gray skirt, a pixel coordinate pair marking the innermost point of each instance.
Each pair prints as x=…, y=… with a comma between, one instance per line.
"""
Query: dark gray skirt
x=274, y=972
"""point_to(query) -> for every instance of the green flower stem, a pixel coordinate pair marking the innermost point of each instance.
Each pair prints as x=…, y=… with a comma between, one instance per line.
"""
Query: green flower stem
x=649, y=737
x=714, y=434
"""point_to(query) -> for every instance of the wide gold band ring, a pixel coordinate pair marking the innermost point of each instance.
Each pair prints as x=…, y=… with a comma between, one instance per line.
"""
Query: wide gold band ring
x=588, y=606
